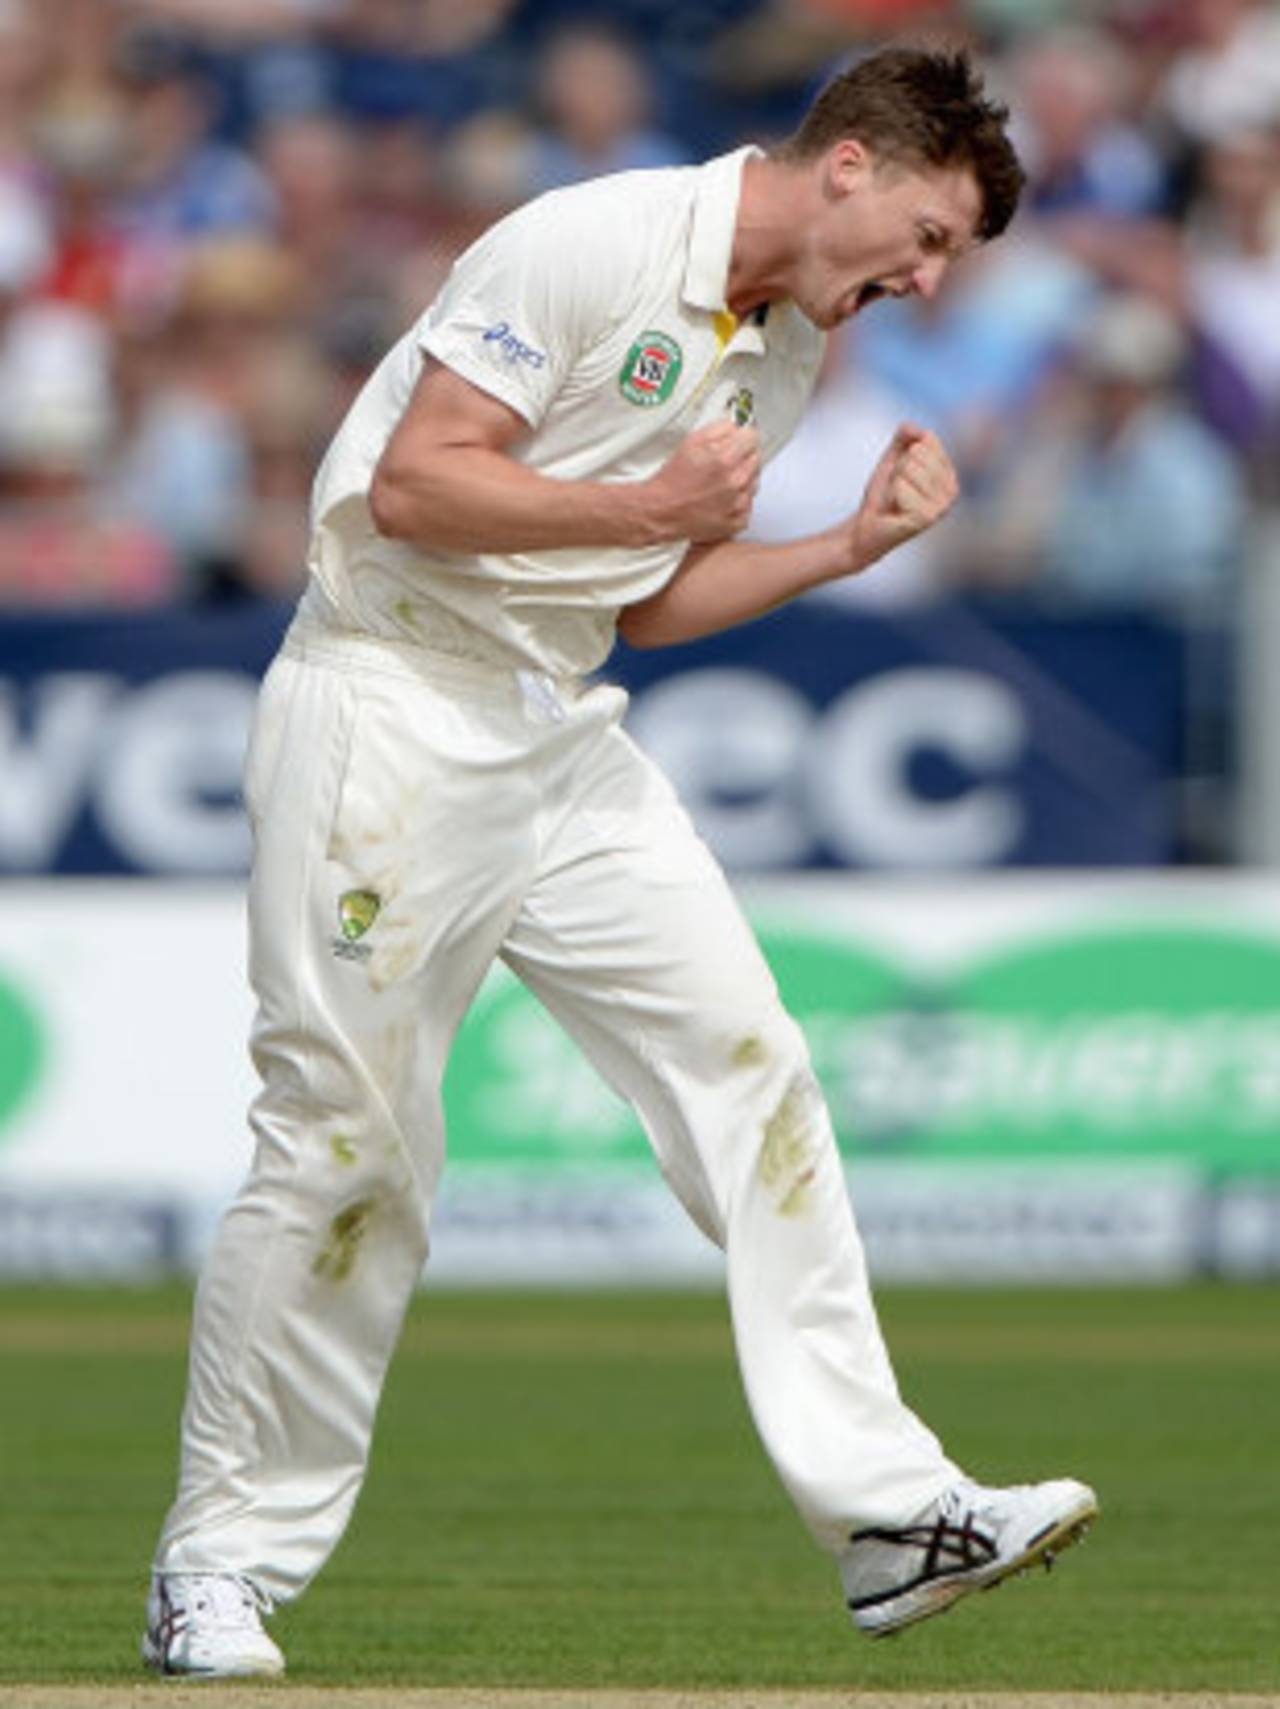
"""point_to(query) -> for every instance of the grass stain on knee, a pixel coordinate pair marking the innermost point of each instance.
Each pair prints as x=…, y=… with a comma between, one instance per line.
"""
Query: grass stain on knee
x=749, y=1052
x=343, y=1149
x=787, y=1162
x=337, y=1258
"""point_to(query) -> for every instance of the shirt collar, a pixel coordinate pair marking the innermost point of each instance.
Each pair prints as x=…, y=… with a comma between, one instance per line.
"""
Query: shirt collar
x=715, y=220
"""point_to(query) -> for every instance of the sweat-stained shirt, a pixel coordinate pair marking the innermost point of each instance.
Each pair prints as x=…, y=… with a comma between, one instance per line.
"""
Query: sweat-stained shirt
x=598, y=314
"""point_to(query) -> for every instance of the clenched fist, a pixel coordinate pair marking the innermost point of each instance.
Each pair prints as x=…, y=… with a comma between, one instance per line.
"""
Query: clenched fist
x=913, y=486
x=705, y=489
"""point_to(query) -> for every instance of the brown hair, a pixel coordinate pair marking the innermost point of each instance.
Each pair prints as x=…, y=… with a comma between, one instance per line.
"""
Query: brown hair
x=917, y=108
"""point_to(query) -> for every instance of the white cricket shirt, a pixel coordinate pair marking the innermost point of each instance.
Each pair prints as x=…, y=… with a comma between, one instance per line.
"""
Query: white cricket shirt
x=597, y=313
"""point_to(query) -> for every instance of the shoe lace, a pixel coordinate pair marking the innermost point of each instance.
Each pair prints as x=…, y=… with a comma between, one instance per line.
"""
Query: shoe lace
x=955, y=1537
x=229, y=1598
x=965, y=1525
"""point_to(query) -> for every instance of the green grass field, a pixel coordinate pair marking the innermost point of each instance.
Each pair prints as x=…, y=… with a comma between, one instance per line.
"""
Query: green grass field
x=566, y=1491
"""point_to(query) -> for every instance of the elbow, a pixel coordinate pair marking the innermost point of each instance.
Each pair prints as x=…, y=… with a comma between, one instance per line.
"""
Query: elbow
x=638, y=628
x=385, y=505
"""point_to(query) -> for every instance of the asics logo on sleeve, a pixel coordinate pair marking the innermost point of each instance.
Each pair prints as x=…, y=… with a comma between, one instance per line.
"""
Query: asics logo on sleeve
x=512, y=346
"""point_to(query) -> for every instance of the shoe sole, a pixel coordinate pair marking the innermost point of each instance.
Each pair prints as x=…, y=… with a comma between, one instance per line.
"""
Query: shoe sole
x=153, y=1659
x=1041, y=1550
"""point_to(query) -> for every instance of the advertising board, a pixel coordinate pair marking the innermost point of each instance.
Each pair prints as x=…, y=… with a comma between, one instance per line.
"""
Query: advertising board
x=1059, y=1078
x=951, y=741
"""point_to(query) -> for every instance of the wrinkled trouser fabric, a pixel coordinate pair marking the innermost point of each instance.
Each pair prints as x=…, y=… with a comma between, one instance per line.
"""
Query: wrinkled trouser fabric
x=494, y=813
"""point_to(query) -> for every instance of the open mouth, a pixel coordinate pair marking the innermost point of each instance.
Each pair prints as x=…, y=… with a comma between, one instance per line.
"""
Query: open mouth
x=871, y=292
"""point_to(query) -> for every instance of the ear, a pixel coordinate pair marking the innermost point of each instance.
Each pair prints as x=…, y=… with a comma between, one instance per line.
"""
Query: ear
x=847, y=165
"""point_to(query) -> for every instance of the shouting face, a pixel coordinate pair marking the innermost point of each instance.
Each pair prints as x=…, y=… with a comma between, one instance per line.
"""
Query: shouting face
x=881, y=230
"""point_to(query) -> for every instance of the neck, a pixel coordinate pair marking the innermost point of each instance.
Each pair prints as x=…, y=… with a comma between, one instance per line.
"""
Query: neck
x=765, y=243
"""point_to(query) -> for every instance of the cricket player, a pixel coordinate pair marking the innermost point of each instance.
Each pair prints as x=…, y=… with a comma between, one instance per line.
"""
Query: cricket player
x=566, y=446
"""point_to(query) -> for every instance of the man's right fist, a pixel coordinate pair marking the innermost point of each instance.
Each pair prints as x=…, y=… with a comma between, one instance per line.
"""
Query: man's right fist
x=705, y=489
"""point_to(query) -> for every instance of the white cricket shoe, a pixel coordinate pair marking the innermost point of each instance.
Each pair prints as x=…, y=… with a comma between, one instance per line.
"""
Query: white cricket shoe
x=208, y=1626
x=971, y=1538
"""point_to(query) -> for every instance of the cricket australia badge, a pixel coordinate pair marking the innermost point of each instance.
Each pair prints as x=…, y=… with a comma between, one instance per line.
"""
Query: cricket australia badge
x=651, y=370
x=742, y=407
x=357, y=910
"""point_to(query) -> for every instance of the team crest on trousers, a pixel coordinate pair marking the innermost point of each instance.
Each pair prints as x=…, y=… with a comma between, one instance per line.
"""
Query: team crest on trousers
x=357, y=910
x=651, y=370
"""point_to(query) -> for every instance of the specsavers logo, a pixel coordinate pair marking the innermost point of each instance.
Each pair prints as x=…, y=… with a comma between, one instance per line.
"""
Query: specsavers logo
x=1110, y=1040
x=23, y=1052
x=1106, y=1041
x=651, y=370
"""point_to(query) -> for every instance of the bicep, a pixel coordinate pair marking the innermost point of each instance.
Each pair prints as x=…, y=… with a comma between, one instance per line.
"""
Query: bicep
x=446, y=412
x=522, y=306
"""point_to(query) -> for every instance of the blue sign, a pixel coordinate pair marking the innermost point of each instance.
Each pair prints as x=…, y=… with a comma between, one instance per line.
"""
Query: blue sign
x=947, y=740
x=820, y=737
x=122, y=740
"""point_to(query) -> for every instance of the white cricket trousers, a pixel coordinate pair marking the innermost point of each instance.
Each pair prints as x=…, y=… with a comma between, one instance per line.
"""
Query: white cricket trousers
x=465, y=812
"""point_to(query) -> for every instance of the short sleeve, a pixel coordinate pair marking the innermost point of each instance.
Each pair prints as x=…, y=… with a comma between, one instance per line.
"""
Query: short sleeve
x=525, y=301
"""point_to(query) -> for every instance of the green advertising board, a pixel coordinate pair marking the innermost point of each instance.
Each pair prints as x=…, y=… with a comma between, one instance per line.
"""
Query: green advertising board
x=1107, y=1041
x=23, y=1052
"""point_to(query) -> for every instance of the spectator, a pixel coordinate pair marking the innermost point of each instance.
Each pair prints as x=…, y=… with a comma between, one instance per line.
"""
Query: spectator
x=354, y=205
x=1227, y=76
x=24, y=69
x=595, y=98
x=361, y=143
x=1080, y=153
x=185, y=465
x=82, y=145
x=178, y=184
x=311, y=164
x=1118, y=496
x=439, y=59
x=62, y=543
x=290, y=413
x=399, y=200
x=26, y=240
x=485, y=171
x=1233, y=274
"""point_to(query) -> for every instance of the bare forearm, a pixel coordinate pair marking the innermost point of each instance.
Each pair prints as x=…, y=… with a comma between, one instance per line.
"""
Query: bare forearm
x=472, y=499
x=911, y=488
x=450, y=479
x=732, y=581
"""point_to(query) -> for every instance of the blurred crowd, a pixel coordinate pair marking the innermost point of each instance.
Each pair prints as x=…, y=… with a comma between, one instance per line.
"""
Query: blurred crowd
x=216, y=214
